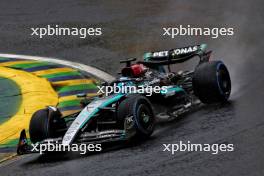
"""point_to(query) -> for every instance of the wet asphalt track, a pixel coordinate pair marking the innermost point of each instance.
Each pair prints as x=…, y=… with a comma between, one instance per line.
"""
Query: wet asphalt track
x=130, y=28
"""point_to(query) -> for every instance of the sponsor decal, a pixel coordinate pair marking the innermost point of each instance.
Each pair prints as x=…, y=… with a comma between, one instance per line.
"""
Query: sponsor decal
x=178, y=51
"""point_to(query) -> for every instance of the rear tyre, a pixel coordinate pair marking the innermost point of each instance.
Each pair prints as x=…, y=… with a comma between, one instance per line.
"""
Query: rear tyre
x=135, y=112
x=211, y=82
x=43, y=124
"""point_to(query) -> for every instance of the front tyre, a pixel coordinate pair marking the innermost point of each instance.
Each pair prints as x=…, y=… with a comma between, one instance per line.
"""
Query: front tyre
x=211, y=82
x=135, y=112
x=43, y=124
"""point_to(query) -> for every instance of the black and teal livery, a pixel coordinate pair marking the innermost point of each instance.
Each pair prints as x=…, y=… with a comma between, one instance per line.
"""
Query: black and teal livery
x=127, y=116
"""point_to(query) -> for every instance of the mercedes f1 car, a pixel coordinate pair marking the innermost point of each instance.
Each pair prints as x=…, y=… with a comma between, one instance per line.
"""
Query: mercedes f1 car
x=126, y=116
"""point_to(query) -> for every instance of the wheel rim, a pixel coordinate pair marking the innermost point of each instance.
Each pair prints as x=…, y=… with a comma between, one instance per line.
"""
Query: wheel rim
x=223, y=80
x=145, y=117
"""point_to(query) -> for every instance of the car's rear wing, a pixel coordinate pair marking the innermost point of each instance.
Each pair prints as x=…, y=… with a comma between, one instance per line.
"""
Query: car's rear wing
x=177, y=55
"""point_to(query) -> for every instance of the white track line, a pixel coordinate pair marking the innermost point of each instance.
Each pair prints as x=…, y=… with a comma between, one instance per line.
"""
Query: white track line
x=86, y=68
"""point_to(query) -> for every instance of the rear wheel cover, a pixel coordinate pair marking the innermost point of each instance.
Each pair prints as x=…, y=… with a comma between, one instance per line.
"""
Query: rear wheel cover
x=223, y=80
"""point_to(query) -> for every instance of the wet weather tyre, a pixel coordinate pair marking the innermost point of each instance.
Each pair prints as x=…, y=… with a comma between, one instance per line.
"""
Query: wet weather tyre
x=211, y=82
x=42, y=125
x=140, y=110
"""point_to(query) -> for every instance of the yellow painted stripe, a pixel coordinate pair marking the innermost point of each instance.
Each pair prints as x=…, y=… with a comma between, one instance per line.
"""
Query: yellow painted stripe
x=67, y=98
x=17, y=62
x=74, y=97
x=33, y=90
x=52, y=71
x=72, y=82
x=66, y=113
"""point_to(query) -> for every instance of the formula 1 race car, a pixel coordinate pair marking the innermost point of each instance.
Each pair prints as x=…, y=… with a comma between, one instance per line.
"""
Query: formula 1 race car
x=130, y=115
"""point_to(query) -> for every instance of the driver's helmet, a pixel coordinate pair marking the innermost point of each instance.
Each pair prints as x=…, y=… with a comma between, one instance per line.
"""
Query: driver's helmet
x=138, y=70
